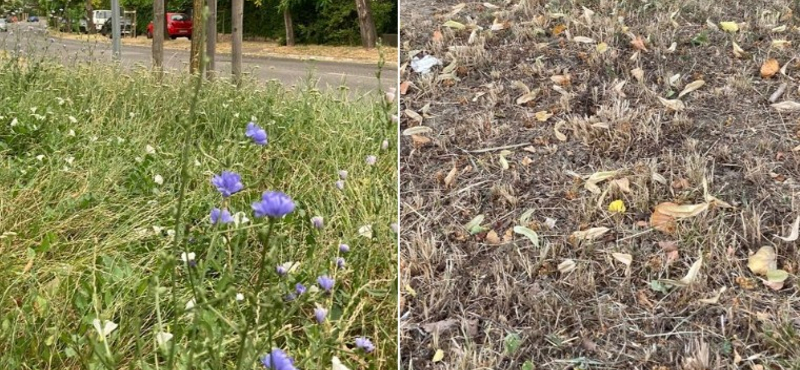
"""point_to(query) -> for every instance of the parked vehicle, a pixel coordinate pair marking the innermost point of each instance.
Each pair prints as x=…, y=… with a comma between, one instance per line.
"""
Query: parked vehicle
x=99, y=18
x=33, y=19
x=178, y=25
x=125, y=27
x=3, y=25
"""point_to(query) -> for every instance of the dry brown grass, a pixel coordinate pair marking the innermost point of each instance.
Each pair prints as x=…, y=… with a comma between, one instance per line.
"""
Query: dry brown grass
x=598, y=316
x=260, y=48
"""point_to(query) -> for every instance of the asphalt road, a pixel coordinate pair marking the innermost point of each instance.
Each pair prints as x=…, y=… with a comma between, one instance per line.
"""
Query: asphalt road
x=359, y=78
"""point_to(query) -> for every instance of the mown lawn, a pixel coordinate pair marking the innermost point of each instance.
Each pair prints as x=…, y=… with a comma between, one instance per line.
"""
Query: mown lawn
x=90, y=185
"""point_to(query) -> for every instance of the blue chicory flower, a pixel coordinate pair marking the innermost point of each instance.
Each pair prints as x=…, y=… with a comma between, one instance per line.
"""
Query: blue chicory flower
x=320, y=313
x=227, y=183
x=281, y=270
x=300, y=289
x=340, y=262
x=273, y=204
x=340, y=184
x=365, y=344
x=256, y=133
x=344, y=248
x=325, y=282
x=221, y=216
x=278, y=360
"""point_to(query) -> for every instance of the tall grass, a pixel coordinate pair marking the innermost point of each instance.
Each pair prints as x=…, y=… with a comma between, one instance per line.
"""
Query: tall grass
x=89, y=183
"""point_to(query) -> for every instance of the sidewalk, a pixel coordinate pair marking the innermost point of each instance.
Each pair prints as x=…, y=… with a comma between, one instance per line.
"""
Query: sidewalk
x=354, y=54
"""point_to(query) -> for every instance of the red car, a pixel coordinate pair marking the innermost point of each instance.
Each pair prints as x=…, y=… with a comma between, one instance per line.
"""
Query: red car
x=178, y=25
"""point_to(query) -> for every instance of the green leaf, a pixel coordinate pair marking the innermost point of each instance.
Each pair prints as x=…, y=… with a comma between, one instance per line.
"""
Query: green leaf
x=777, y=276
x=512, y=343
x=530, y=234
x=474, y=226
x=658, y=286
x=528, y=365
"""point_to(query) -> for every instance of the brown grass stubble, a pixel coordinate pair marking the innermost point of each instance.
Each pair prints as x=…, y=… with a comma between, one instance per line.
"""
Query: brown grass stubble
x=728, y=134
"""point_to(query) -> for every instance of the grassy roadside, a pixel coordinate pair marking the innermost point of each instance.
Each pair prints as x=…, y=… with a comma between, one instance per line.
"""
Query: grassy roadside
x=259, y=48
x=578, y=121
x=89, y=185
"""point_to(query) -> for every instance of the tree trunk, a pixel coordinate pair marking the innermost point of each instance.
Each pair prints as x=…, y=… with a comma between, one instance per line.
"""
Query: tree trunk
x=211, y=38
x=159, y=23
x=90, y=27
x=197, y=36
x=287, y=21
x=237, y=13
x=368, y=34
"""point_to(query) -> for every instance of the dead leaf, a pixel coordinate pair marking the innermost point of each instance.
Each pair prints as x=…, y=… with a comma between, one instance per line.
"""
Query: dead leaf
x=560, y=136
x=681, y=211
x=454, y=25
x=596, y=178
x=763, y=261
x=638, y=73
x=437, y=36
x=663, y=223
x=786, y=106
x=769, y=68
x=601, y=48
x=691, y=87
x=526, y=161
x=404, y=87
x=451, y=176
x=413, y=115
x=542, y=116
x=566, y=266
x=625, y=258
x=583, y=39
x=794, y=233
x=693, y=271
x=738, y=51
x=673, y=104
x=492, y=238
x=561, y=79
x=590, y=234
x=638, y=43
x=668, y=246
x=420, y=140
x=622, y=184
x=416, y=130
x=731, y=27
x=439, y=326
x=438, y=356
x=715, y=299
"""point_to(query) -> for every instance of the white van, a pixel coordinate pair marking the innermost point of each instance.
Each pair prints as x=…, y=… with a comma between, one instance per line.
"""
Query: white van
x=99, y=18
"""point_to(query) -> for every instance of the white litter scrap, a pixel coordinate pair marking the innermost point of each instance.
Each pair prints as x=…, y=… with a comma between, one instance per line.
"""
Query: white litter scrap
x=423, y=65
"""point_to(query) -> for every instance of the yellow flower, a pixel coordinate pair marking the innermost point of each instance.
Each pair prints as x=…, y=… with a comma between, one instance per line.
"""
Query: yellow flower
x=617, y=206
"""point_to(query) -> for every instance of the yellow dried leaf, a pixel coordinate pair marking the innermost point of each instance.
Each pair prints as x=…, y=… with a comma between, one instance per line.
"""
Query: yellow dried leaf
x=566, y=266
x=410, y=291
x=673, y=104
x=455, y=25
x=601, y=48
x=542, y=116
x=617, y=206
x=438, y=356
x=793, y=235
x=763, y=261
x=731, y=27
